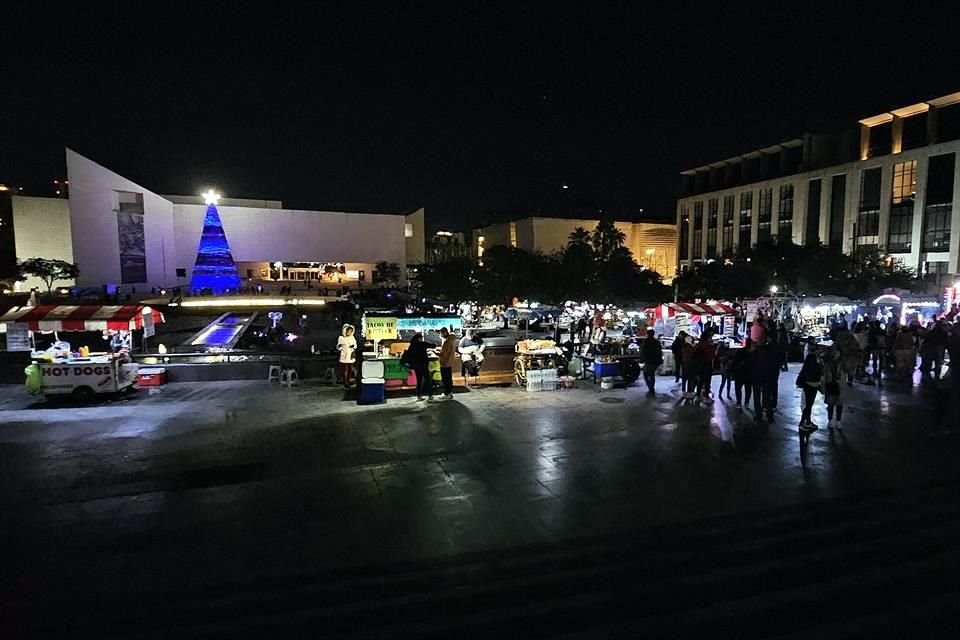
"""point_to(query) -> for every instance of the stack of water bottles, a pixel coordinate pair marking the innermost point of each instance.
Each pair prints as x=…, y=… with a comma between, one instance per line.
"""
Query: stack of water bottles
x=542, y=380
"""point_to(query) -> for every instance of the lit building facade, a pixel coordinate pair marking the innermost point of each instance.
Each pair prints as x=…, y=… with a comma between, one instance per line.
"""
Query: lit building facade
x=122, y=234
x=653, y=244
x=892, y=182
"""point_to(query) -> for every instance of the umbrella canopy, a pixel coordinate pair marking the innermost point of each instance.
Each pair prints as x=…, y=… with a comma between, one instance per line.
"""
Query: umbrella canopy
x=50, y=317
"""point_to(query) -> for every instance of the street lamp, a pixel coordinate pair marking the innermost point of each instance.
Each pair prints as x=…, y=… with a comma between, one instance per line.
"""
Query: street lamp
x=773, y=288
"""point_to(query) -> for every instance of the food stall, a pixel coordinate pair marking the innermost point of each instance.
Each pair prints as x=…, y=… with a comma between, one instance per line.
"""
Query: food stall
x=541, y=356
x=670, y=318
x=62, y=369
x=904, y=308
x=390, y=333
x=818, y=314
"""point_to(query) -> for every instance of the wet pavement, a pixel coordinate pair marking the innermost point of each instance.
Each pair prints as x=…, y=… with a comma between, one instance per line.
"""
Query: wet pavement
x=208, y=482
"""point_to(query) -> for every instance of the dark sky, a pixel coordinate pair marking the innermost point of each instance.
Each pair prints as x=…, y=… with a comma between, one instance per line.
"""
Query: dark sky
x=463, y=108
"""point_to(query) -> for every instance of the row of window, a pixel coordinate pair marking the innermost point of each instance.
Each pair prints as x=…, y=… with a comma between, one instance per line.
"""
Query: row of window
x=866, y=230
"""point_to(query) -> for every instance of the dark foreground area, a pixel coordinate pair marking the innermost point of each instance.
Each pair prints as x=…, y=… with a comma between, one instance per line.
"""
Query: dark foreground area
x=243, y=510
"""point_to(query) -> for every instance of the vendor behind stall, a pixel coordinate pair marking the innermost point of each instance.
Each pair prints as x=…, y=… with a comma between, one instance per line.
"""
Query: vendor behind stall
x=417, y=358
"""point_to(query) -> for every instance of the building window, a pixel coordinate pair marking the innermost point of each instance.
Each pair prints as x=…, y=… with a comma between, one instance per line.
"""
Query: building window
x=785, y=214
x=901, y=229
x=181, y=273
x=904, y=181
x=900, y=238
x=408, y=230
x=868, y=213
x=513, y=234
x=838, y=197
x=764, y=215
x=698, y=230
x=712, y=219
x=727, y=245
x=812, y=235
x=939, y=203
x=684, y=232
x=937, y=272
x=746, y=218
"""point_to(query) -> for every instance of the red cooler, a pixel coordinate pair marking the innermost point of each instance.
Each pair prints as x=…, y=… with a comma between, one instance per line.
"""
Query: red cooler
x=151, y=377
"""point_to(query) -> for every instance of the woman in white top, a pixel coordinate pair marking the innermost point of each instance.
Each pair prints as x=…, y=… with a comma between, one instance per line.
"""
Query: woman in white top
x=347, y=346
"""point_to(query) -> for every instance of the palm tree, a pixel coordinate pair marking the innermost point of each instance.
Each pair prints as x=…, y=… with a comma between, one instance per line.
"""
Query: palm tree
x=606, y=238
x=578, y=236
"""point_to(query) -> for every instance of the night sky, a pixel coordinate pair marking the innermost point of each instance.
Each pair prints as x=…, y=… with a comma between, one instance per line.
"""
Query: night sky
x=459, y=107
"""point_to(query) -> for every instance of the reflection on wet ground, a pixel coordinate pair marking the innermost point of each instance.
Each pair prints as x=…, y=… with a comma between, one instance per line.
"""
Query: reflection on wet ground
x=215, y=480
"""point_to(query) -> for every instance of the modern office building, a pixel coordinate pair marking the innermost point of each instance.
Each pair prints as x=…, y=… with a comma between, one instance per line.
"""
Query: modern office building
x=653, y=244
x=891, y=182
x=122, y=234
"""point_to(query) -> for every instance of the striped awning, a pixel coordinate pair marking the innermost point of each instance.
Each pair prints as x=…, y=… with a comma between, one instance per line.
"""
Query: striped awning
x=700, y=308
x=50, y=317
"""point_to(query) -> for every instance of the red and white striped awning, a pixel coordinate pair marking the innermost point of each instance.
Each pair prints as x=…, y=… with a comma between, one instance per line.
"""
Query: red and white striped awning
x=670, y=309
x=51, y=317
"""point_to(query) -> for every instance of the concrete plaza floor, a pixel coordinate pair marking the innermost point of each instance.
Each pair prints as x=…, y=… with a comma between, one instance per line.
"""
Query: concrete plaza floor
x=207, y=482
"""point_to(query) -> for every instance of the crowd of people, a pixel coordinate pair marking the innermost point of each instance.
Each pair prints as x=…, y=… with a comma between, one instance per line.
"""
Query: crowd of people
x=866, y=352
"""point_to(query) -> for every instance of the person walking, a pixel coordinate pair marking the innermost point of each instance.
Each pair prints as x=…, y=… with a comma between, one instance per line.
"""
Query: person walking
x=652, y=359
x=677, y=349
x=809, y=381
x=833, y=392
x=417, y=359
x=448, y=356
x=741, y=370
x=347, y=346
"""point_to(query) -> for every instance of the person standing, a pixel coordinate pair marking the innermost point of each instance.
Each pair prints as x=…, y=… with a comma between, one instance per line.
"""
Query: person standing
x=934, y=346
x=809, y=381
x=778, y=353
x=677, y=349
x=766, y=373
x=833, y=376
x=347, y=346
x=652, y=359
x=448, y=354
x=783, y=339
x=689, y=379
x=741, y=370
x=417, y=358
x=703, y=357
x=876, y=344
x=725, y=362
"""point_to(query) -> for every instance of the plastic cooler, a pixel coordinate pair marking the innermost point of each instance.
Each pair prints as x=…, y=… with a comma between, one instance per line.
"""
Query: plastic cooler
x=371, y=369
x=371, y=391
x=606, y=369
x=151, y=377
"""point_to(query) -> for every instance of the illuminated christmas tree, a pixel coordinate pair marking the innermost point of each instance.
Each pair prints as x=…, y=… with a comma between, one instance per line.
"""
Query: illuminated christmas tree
x=214, y=269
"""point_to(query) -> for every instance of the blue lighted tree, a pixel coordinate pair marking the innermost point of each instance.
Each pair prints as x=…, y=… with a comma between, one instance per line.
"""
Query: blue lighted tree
x=214, y=269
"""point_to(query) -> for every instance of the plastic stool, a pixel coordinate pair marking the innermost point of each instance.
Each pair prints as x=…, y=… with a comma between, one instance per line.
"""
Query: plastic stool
x=330, y=376
x=289, y=378
x=274, y=373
